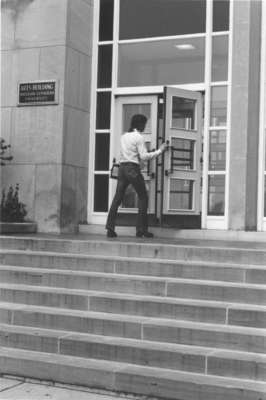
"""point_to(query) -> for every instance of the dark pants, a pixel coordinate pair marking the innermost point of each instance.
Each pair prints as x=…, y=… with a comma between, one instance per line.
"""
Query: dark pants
x=129, y=173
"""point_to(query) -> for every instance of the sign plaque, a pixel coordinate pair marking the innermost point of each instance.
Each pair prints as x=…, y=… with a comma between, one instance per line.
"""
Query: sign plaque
x=38, y=93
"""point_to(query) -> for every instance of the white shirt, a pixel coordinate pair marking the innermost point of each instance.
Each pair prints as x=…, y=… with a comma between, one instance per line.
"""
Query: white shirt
x=133, y=148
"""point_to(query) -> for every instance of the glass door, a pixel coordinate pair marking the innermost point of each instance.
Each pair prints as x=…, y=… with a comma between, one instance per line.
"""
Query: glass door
x=126, y=107
x=173, y=181
x=182, y=163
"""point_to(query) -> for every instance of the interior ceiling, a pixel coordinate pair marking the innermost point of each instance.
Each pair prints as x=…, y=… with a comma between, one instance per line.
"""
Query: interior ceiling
x=167, y=50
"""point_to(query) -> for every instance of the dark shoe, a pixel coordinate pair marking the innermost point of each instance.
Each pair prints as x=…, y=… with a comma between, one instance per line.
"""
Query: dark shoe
x=111, y=233
x=145, y=234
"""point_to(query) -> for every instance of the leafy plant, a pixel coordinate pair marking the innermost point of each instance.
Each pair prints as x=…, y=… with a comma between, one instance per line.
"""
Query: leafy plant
x=11, y=208
x=3, y=149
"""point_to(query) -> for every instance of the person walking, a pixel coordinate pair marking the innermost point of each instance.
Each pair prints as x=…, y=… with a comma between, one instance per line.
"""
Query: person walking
x=133, y=152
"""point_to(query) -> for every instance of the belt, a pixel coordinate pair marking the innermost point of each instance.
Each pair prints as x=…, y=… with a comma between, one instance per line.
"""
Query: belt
x=129, y=163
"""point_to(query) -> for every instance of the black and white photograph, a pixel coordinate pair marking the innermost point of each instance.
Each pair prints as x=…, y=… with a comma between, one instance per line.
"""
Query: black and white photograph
x=133, y=200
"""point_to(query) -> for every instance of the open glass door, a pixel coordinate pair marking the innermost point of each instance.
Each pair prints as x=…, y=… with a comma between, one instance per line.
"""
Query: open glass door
x=182, y=163
x=126, y=107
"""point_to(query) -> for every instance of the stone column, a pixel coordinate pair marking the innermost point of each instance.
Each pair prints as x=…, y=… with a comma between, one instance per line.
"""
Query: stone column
x=44, y=40
x=243, y=173
x=76, y=114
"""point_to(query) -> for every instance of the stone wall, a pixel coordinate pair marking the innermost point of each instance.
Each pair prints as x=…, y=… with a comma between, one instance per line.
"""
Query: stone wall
x=43, y=40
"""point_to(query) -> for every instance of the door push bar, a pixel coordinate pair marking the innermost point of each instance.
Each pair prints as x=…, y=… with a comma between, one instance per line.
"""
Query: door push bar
x=178, y=161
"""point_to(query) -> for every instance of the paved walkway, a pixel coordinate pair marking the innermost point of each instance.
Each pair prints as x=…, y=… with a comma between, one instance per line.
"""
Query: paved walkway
x=20, y=389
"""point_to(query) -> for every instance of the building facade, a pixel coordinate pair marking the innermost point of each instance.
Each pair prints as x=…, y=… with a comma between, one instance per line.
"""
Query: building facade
x=195, y=68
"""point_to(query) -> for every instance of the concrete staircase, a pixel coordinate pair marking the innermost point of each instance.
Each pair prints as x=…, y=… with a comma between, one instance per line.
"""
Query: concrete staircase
x=182, y=320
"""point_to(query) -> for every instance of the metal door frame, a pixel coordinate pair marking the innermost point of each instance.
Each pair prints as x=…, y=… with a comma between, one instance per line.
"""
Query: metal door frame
x=115, y=142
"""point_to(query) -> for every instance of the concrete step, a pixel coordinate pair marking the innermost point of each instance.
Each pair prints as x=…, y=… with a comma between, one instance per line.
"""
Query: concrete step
x=204, y=360
x=217, y=291
x=46, y=296
x=184, y=309
x=136, y=266
x=122, y=377
x=240, y=314
x=107, y=348
x=180, y=308
x=226, y=252
x=45, y=259
x=134, y=284
x=137, y=327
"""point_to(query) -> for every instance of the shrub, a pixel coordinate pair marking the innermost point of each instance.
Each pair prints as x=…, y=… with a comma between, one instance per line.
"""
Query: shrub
x=11, y=209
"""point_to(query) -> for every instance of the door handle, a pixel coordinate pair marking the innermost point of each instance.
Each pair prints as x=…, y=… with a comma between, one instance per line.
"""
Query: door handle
x=171, y=170
x=149, y=173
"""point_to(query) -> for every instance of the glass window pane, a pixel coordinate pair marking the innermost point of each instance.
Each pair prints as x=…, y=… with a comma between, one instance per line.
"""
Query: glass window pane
x=220, y=15
x=103, y=110
x=183, y=113
x=220, y=58
x=264, y=196
x=181, y=194
x=216, y=195
x=131, y=109
x=182, y=154
x=102, y=151
x=218, y=106
x=217, y=154
x=106, y=20
x=105, y=66
x=264, y=124
x=149, y=18
x=101, y=186
x=165, y=62
x=265, y=146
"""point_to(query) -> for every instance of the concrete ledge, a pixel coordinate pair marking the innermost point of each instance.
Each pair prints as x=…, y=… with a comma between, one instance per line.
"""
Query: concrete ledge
x=18, y=227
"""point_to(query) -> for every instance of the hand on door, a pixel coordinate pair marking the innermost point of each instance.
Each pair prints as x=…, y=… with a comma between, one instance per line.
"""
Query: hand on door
x=164, y=147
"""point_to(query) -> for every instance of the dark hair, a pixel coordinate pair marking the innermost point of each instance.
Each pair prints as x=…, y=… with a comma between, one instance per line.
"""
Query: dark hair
x=138, y=121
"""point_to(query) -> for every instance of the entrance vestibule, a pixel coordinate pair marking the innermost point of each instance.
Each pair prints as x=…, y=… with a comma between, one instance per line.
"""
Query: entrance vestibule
x=193, y=54
x=173, y=180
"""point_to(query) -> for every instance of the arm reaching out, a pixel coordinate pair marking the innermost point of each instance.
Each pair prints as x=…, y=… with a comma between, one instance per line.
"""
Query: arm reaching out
x=144, y=155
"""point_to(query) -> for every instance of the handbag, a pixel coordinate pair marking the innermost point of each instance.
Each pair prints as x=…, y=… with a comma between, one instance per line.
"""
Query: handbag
x=114, y=170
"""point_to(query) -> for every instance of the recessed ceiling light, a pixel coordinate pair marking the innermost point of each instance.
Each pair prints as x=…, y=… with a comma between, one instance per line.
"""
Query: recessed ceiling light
x=185, y=46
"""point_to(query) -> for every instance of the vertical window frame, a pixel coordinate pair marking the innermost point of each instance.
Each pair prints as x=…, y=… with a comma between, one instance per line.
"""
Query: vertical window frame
x=261, y=219
x=210, y=221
